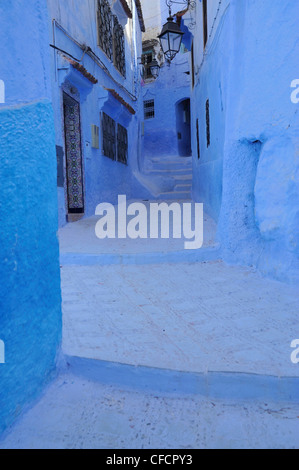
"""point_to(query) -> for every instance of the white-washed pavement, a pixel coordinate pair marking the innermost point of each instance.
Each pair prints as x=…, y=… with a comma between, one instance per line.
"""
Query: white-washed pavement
x=75, y=413
x=167, y=355
x=186, y=317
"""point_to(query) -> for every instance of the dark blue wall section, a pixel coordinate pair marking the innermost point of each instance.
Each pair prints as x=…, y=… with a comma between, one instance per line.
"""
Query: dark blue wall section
x=30, y=289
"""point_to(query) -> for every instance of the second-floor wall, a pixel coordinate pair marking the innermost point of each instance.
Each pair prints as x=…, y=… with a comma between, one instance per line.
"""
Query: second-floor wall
x=110, y=29
x=96, y=50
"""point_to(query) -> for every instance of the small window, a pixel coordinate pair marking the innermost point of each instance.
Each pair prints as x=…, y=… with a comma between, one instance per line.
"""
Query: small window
x=149, y=109
x=147, y=58
x=115, y=140
x=208, y=123
x=122, y=144
x=104, y=27
x=205, y=22
x=119, y=57
x=111, y=37
x=197, y=137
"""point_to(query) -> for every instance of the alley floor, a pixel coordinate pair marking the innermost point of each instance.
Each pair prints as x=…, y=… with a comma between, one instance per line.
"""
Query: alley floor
x=166, y=355
x=205, y=317
x=76, y=413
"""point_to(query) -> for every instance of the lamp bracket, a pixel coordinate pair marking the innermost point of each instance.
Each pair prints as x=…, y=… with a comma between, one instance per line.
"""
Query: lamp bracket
x=189, y=4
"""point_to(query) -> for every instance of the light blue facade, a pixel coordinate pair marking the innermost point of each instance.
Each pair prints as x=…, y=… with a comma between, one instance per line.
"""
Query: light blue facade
x=165, y=134
x=248, y=175
x=166, y=119
x=244, y=142
x=30, y=302
x=161, y=133
x=72, y=27
x=34, y=77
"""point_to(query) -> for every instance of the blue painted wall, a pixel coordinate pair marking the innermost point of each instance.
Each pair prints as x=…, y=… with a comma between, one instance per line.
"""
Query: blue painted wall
x=160, y=134
x=30, y=304
x=104, y=179
x=168, y=90
x=248, y=177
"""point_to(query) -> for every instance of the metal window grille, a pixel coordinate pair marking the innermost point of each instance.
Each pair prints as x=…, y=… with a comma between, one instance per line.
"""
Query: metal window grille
x=119, y=57
x=149, y=109
x=105, y=35
x=208, y=123
x=122, y=144
x=109, y=136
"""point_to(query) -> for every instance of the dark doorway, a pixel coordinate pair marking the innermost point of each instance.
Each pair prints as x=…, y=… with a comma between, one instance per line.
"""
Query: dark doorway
x=73, y=150
x=184, y=127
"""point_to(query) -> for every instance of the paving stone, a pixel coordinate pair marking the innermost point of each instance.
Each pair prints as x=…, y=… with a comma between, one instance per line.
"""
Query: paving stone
x=78, y=414
x=173, y=312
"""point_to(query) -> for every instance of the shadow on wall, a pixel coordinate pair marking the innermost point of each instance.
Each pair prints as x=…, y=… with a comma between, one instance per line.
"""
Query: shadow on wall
x=277, y=207
x=237, y=230
x=259, y=216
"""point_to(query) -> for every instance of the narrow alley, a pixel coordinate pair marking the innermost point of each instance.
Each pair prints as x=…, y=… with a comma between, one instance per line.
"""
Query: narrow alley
x=163, y=354
x=142, y=367
x=149, y=256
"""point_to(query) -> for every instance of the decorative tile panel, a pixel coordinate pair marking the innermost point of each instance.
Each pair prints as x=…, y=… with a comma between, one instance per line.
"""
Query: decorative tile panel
x=73, y=155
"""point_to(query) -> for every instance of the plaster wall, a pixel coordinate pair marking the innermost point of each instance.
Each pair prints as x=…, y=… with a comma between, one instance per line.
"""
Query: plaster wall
x=173, y=85
x=153, y=12
x=30, y=302
x=104, y=179
x=248, y=176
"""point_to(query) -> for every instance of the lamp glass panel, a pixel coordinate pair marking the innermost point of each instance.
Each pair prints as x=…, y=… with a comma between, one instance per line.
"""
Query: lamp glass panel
x=164, y=43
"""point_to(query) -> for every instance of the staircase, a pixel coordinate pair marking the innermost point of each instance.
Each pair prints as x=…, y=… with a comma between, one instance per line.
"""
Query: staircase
x=169, y=177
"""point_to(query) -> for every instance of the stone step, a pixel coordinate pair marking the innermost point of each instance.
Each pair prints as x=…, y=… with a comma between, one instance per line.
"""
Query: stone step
x=176, y=195
x=212, y=385
x=182, y=173
x=175, y=165
x=173, y=175
x=183, y=187
x=170, y=158
x=188, y=177
x=183, y=180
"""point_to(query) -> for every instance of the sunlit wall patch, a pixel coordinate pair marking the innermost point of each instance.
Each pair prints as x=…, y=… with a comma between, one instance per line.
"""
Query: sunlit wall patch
x=2, y=92
x=2, y=352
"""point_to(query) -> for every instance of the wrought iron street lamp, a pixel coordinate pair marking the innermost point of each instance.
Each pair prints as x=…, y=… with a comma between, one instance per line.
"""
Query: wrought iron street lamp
x=171, y=38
